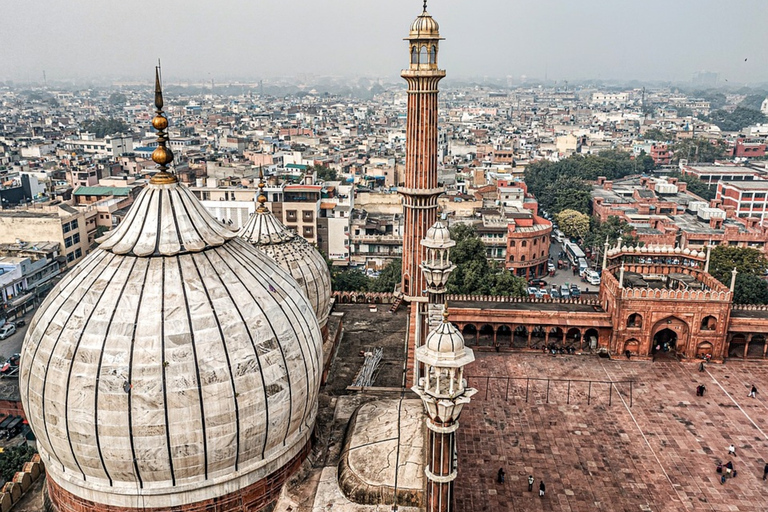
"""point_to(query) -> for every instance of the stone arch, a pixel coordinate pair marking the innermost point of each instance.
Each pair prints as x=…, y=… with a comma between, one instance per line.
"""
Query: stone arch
x=675, y=326
x=470, y=334
x=632, y=345
x=414, y=55
x=708, y=323
x=504, y=336
x=520, y=337
x=573, y=337
x=423, y=58
x=756, y=346
x=485, y=336
x=522, y=258
x=591, y=338
x=556, y=335
x=635, y=320
x=538, y=336
x=737, y=346
x=433, y=54
x=703, y=349
x=524, y=243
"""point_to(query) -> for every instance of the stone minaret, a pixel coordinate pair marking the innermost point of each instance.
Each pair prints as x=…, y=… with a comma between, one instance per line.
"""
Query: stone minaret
x=443, y=391
x=421, y=189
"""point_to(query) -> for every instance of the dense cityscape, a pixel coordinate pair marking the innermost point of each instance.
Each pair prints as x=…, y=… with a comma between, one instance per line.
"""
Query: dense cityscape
x=281, y=294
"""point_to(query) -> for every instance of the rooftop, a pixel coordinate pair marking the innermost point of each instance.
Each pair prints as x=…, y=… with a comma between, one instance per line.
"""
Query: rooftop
x=103, y=191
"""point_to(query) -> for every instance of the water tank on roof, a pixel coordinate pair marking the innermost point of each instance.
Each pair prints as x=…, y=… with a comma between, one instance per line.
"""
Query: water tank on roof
x=695, y=206
x=711, y=213
x=666, y=188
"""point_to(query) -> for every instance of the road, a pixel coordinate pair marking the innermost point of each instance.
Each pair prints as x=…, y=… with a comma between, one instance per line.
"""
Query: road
x=12, y=344
x=565, y=276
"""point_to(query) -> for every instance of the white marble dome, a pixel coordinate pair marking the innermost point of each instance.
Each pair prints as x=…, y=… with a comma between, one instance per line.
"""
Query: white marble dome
x=174, y=364
x=294, y=254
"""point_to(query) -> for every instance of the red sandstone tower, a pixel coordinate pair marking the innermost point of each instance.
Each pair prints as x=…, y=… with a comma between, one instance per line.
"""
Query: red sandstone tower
x=421, y=190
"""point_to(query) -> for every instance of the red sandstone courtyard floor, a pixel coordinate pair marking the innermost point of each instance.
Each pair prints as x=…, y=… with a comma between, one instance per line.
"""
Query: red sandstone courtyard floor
x=657, y=455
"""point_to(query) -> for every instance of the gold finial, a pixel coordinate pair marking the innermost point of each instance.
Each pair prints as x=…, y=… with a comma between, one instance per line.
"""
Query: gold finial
x=445, y=312
x=261, y=197
x=162, y=155
x=425, y=5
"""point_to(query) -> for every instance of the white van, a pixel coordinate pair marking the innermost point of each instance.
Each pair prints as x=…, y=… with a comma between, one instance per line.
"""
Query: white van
x=592, y=277
x=558, y=236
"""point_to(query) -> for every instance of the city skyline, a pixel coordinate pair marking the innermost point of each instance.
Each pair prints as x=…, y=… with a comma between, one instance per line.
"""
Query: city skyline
x=198, y=41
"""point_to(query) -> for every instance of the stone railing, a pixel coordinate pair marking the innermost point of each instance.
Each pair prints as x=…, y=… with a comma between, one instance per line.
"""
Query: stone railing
x=364, y=297
x=492, y=298
x=13, y=491
x=694, y=295
x=750, y=307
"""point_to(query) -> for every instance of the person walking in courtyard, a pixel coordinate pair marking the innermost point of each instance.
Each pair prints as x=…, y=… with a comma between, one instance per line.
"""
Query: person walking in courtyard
x=701, y=366
x=500, y=476
x=542, y=488
x=753, y=391
x=731, y=450
x=530, y=480
x=765, y=471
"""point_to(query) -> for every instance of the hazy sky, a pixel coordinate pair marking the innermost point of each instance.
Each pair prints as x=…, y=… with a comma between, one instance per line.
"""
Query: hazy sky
x=224, y=39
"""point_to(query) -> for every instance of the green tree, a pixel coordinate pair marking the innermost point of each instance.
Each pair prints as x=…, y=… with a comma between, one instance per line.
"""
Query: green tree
x=745, y=259
x=572, y=223
x=350, y=280
x=697, y=150
x=754, y=101
x=325, y=173
x=657, y=135
x=613, y=228
x=737, y=120
x=117, y=98
x=750, y=289
x=390, y=276
x=103, y=126
x=12, y=459
x=474, y=275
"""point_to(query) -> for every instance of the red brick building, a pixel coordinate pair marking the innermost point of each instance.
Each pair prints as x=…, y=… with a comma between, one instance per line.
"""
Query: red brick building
x=660, y=153
x=528, y=246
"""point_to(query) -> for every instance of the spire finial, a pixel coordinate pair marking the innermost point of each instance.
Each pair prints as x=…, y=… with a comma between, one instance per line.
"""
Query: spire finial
x=162, y=155
x=445, y=309
x=425, y=5
x=261, y=198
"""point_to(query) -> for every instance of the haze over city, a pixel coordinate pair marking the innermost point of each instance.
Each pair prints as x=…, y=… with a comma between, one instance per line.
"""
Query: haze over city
x=199, y=40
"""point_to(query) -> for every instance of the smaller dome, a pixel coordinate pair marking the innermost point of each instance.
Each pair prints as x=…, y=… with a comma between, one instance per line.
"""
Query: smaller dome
x=644, y=249
x=686, y=251
x=678, y=250
x=438, y=237
x=424, y=26
x=632, y=249
x=445, y=347
x=624, y=248
x=446, y=338
x=701, y=254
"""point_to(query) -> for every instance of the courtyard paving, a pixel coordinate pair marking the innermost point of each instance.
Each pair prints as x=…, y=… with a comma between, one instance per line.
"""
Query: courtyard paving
x=598, y=449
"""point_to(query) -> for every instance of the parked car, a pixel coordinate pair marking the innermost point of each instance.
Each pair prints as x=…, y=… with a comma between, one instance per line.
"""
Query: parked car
x=575, y=292
x=592, y=277
x=537, y=282
x=554, y=293
x=11, y=366
x=7, y=330
x=532, y=290
x=565, y=291
x=20, y=323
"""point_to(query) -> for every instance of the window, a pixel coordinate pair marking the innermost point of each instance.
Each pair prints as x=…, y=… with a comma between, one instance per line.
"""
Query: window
x=522, y=258
x=512, y=243
x=309, y=232
x=71, y=257
x=66, y=227
x=76, y=238
x=525, y=243
x=78, y=253
x=635, y=320
x=307, y=215
x=709, y=323
x=68, y=242
x=290, y=216
x=73, y=224
x=511, y=258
